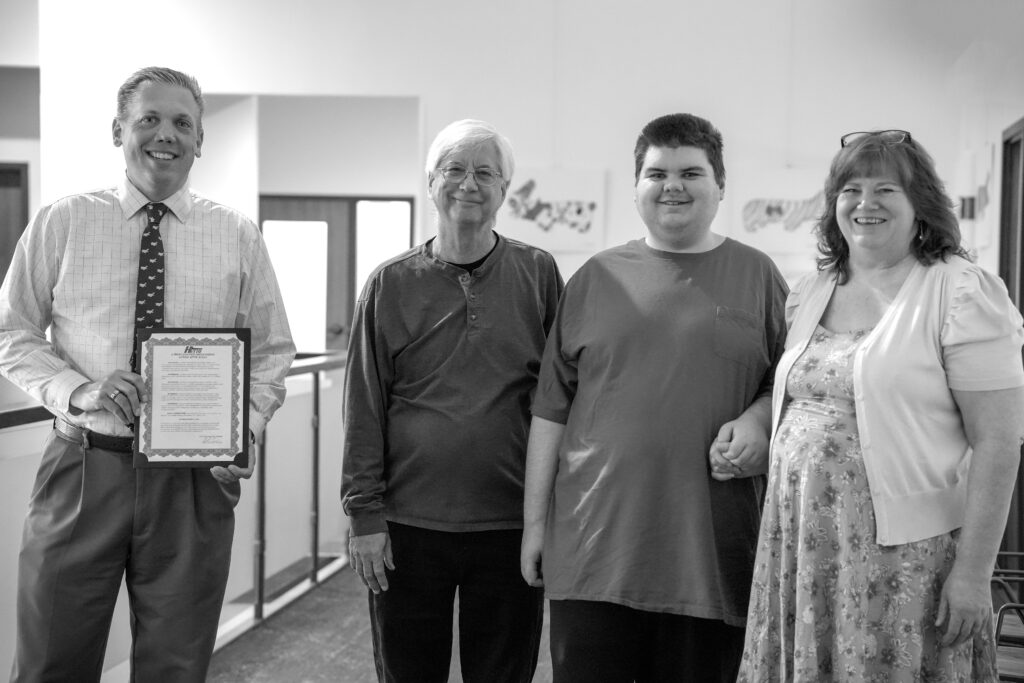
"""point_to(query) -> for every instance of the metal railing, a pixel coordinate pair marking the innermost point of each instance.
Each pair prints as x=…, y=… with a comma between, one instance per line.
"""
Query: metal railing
x=304, y=364
x=311, y=364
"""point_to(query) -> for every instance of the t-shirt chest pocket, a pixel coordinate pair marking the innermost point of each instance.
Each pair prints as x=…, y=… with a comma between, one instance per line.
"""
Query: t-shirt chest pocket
x=739, y=336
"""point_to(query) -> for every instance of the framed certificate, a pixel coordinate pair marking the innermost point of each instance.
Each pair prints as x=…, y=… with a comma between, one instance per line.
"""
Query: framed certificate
x=196, y=409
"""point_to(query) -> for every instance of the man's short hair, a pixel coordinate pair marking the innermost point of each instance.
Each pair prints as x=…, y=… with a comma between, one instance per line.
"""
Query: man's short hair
x=158, y=74
x=468, y=133
x=681, y=130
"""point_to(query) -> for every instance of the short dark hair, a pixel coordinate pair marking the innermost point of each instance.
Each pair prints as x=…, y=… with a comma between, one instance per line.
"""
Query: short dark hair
x=158, y=74
x=938, y=232
x=681, y=130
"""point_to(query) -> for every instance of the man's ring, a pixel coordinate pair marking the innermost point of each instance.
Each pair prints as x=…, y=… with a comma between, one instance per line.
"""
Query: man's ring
x=114, y=394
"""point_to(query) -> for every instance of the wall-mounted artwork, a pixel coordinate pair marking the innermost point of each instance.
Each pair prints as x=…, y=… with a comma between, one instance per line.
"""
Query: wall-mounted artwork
x=974, y=180
x=775, y=210
x=789, y=214
x=556, y=209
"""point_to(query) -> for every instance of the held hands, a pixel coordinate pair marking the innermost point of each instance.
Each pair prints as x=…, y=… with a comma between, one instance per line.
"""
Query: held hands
x=739, y=450
x=529, y=556
x=369, y=555
x=965, y=609
x=120, y=393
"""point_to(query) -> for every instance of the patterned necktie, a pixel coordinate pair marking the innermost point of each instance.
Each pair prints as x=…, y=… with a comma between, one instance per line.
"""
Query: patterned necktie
x=149, y=298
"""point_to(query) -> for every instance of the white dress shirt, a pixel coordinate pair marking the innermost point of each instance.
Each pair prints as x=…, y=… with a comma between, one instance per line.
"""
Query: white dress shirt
x=74, y=271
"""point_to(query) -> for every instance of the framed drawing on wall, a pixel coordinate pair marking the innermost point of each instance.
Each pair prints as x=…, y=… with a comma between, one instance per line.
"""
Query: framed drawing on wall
x=556, y=209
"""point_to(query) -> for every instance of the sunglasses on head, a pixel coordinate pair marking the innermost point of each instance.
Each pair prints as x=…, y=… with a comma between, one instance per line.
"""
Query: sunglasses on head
x=888, y=137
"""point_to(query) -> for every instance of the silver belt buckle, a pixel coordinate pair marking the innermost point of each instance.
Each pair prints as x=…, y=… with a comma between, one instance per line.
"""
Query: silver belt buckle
x=74, y=431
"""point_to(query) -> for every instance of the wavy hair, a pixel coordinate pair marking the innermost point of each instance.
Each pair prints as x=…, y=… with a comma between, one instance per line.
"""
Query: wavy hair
x=938, y=232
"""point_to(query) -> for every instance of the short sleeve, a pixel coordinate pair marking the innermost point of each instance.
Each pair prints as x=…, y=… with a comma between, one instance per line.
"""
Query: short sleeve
x=559, y=374
x=982, y=335
x=795, y=296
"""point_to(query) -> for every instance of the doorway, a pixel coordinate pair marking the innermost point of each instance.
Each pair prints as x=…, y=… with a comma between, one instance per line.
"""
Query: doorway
x=359, y=230
x=1011, y=229
x=13, y=210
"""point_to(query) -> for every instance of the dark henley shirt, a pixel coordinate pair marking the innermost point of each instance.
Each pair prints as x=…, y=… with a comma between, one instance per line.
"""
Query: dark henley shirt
x=442, y=366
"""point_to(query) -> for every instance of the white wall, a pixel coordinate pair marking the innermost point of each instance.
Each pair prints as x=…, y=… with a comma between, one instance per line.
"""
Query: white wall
x=339, y=146
x=19, y=33
x=228, y=170
x=19, y=458
x=569, y=81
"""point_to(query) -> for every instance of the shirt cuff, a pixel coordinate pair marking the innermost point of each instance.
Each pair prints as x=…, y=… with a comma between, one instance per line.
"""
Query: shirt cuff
x=368, y=523
x=550, y=414
x=61, y=387
x=257, y=423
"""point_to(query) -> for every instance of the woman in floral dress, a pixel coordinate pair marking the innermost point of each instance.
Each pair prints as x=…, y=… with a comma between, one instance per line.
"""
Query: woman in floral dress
x=897, y=422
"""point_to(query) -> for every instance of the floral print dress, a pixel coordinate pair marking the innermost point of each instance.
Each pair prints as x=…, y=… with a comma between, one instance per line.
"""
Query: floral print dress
x=827, y=603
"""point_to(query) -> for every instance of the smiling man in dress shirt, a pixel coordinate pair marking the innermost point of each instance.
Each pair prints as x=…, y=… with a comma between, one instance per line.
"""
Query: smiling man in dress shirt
x=92, y=518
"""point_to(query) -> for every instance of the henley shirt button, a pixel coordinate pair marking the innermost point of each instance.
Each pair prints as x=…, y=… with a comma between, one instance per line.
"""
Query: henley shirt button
x=473, y=316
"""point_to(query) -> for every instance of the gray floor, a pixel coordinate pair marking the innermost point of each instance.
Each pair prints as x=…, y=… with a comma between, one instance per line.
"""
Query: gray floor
x=323, y=636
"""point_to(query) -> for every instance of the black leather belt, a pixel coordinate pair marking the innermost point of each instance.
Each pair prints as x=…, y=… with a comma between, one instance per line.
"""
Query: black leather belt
x=90, y=439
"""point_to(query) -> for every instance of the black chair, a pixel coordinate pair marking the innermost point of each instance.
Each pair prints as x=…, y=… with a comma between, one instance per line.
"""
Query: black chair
x=1007, y=582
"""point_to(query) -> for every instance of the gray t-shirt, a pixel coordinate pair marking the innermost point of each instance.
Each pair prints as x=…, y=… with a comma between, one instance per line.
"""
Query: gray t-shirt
x=651, y=352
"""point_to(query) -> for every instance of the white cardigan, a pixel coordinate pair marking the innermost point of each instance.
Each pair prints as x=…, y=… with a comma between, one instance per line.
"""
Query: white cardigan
x=951, y=326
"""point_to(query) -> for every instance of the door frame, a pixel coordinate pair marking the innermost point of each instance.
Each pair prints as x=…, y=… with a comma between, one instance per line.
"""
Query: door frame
x=1012, y=201
x=20, y=170
x=353, y=201
x=1011, y=259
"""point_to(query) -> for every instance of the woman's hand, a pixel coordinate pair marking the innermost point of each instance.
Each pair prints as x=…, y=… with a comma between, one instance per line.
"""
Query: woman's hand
x=994, y=423
x=965, y=608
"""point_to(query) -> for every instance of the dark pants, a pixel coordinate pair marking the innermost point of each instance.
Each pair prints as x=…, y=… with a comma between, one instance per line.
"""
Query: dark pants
x=600, y=642
x=500, y=616
x=93, y=519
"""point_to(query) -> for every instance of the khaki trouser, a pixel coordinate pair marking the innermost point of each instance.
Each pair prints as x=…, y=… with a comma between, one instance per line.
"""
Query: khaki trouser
x=94, y=519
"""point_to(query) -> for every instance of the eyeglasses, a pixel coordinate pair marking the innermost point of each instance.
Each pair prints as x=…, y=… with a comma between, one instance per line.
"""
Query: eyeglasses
x=484, y=177
x=888, y=137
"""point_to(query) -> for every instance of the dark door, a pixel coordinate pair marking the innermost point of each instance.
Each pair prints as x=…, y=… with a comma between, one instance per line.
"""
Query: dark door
x=355, y=232
x=13, y=210
x=339, y=214
x=1011, y=229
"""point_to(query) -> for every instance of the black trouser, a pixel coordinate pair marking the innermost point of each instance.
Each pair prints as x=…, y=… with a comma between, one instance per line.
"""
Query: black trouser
x=600, y=642
x=500, y=616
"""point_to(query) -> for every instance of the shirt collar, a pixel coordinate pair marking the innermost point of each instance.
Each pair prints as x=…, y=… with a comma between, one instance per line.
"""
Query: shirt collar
x=427, y=249
x=132, y=200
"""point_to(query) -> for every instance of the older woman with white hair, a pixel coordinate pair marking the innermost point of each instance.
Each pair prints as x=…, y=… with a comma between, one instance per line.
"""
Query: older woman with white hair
x=443, y=359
